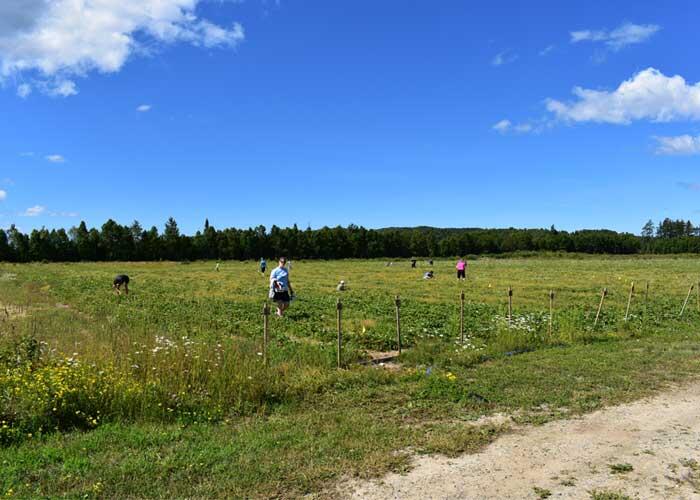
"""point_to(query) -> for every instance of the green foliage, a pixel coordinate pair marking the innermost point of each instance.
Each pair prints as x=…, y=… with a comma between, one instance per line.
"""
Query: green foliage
x=620, y=468
x=114, y=242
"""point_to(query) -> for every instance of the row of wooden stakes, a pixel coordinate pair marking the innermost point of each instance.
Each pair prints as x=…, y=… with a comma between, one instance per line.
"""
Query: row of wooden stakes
x=397, y=303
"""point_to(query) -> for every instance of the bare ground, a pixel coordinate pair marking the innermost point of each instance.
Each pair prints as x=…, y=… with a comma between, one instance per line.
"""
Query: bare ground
x=658, y=437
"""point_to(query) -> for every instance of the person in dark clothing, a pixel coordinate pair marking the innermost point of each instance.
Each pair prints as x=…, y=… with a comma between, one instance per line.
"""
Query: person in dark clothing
x=119, y=280
x=413, y=262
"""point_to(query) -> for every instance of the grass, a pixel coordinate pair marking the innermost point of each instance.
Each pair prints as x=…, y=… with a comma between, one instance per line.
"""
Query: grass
x=621, y=468
x=174, y=400
x=608, y=495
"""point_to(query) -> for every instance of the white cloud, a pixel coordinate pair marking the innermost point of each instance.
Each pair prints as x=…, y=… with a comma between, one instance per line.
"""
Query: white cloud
x=3, y=195
x=503, y=126
x=679, y=145
x=34, y=211
x=506, y=126
x=648, y=95
x=56, y=158
x=54, y=41
x=505, y=57
x=27, y=153
x=143, y=108
x=60, y=88
x=523, y=128
x=23, y=90
x=64, y=214
x=546, y=50
x=622, y=36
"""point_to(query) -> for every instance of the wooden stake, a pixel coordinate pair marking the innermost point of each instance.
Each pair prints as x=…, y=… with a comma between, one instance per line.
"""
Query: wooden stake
x=397, y=301
x=551, y=311
x=266, y=330
x=629, y=301
x=461, y=317
x=339, y=309
x=600, y=306
x=510, y=306
x=690, y=290
x=646, y=296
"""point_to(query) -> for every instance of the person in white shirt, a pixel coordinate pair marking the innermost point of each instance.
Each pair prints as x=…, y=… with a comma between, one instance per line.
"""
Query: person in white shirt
x=280, y=288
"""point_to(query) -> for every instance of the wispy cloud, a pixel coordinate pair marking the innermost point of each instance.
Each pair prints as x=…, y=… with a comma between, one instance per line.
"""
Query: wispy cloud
x=505, y=57
x=34, y=211
x=506, y=126
x=3, y=195
x=649, y=95
x=23, y=90
x=144, y=108
x=56, y=158
x=503, y=126
x=624, y=35
x=27, y=153
x=546, y=50
x=678, y=145
x=64, y=214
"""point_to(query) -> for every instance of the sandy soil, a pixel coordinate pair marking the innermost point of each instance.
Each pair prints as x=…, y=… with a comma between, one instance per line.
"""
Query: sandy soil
x=659, y=437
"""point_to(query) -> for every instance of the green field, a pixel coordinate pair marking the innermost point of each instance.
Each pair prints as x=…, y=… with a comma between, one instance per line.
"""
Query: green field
x=164, y=393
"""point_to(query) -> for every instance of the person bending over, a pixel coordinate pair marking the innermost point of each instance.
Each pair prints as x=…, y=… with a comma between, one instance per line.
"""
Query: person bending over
x=280, y=288
x=119, y=280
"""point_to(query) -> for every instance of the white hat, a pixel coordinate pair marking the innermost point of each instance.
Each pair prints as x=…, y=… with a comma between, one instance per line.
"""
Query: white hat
x=342, y=281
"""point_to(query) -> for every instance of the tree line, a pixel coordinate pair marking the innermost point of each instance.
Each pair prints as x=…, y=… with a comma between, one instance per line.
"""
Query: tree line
x=133, y=243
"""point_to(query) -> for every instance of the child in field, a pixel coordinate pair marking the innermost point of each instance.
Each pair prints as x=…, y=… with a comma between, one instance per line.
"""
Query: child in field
x=263, y=265
x=428, y=275
x=341, y=286
x=119, y=280
x=216, y=268
x=413, y=263
x=461, y=270
x=280, y=288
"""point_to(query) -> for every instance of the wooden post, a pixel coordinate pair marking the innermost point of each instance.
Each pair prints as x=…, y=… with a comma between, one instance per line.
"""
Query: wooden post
x=551, y=311
x=690, y=290
x=646, y=296
x=629, y=301
x=510, y=306
x=266, y=330
x=461, y=317
x=698, y=294
x=600, y=306
x=339, y=309
x=397, y=301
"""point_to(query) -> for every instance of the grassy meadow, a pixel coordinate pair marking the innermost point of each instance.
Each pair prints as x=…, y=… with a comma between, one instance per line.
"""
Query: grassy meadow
x=164, y=393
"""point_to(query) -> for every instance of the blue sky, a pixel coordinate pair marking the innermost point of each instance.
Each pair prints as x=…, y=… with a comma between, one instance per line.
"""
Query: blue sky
x=378, y=113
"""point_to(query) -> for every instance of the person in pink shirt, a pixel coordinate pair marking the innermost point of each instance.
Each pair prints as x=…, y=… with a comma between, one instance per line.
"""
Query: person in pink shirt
x=461, y=270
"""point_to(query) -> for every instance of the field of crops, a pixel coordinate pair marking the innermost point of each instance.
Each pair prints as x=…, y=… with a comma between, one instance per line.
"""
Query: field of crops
x=184, y=347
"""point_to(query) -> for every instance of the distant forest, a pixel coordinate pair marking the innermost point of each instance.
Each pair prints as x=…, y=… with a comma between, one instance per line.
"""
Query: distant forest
x=128, y=243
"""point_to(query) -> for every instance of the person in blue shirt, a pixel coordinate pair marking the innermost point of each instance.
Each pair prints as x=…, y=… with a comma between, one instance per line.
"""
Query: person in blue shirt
x=263, y=265
x=280, y=288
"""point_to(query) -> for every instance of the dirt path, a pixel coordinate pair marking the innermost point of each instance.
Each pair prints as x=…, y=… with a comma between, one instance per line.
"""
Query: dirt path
x=659, y=437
